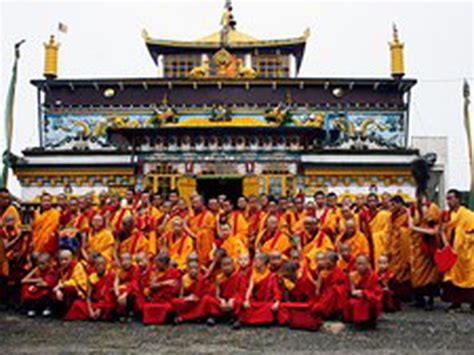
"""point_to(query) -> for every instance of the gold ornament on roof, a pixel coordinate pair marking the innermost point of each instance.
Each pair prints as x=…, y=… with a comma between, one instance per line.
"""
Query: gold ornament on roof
x=222, y=59
x=201, y=71
x=243, y=71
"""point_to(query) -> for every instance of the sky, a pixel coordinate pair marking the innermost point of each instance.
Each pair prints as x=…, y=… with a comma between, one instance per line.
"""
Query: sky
x=348, y=39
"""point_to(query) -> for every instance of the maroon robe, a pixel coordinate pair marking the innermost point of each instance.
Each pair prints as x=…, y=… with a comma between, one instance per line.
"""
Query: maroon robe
x=31, y=292
x=332, y=295
x=232, y=287
x=391, y=303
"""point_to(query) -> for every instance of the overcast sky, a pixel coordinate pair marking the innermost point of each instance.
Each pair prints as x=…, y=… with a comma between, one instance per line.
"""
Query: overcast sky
x=347, y=40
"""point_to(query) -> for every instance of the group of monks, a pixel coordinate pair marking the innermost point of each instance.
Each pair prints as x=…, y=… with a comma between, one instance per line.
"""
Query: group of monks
x=286, y=261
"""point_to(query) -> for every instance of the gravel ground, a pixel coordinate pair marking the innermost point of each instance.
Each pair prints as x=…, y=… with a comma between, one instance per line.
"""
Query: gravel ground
x=410, y=332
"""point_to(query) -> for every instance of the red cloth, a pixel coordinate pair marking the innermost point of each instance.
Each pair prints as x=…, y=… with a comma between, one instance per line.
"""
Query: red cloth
x=369, y=307
x=101, y=298
x=128, y=283
x=192, y=310
x=333, y=294
x=30, y=292
x=264, y=294
x=232, y=287
x=387, y=282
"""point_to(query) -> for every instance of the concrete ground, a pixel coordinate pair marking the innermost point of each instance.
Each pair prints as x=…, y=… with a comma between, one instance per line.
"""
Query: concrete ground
x=410, y=332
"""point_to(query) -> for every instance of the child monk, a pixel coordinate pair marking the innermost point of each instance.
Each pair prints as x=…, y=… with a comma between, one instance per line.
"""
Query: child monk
x=72, y=284
x=346, y=262
x=163, y=287
x=387, y=280
x=37, y=287
x=190, y=305
x=365, y=302
x=143, y=281
x=226, y=302
x=125, y=287
x=263, y=295
x=99, y=302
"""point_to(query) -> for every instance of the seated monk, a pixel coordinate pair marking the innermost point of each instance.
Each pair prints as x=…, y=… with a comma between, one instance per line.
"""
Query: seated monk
x=179, y=243
x=143, y=282
x=346, y=261
x=37, y=287
x=130, y=239
x=191, y=304
x=99, y=240
x=244, y=268
x=365, y=302
x=308, y=231
x=99, y=302
x=299, y=292
x=262, y=297
x=352, y=236
x=319, y=242
x=332, y=287
x=125, y=287
x=275, y=261
x=73, y=283
x=232, y=244
x=45, y=227
x=273, y=238
x=230, y=289
x=164, y=286
x=386, y=278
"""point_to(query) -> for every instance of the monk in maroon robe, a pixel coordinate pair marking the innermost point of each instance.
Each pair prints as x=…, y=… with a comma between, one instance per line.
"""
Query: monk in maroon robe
x=125, y=287
x=386, y=279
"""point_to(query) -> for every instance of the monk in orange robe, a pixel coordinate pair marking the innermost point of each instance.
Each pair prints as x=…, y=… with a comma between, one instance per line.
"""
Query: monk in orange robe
x=398, y=248
x=299, y=293
x=130, y=240
x=365, y=303
x=263, y=296
x=7, y=208
x=179, y=243
x=99, y=303
x=272, y=238
x=164, y=286
x=77, y=216
x=232, y=244
x=191, y=304
x=307, y=232
x=73, y=282
x=37, y=287
x=272, y=210
x=424, y=222
x=45, y=227
x=142, y=260
x=170, y=214
x=126, y=287
x=299, y=214
x=115, y=215
x=236, y=220
x=321, y=242
x=147, y=216
x=254, y=216
x=202, y=223
x=351, y=235
x=99, y=241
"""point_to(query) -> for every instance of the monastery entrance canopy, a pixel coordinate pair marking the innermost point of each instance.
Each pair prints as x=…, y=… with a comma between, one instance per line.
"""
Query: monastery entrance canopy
x=229, y=106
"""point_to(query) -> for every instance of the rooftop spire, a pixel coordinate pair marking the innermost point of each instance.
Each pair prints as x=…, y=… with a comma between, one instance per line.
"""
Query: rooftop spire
x=227, y=22
x=396, y=55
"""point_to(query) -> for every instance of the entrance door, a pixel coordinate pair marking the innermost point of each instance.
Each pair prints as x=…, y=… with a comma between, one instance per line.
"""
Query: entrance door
x=213, y=187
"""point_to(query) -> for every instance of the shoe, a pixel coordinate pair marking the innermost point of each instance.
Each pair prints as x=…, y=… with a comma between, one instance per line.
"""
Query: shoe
x=210, y=322
x=236, y=325
x=46, y=313
x=177, y=320
x=31, y=314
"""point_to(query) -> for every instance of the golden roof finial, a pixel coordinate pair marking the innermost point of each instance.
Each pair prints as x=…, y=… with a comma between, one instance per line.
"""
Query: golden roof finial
x=307, y=33
x=396, y=55
x=51, y=58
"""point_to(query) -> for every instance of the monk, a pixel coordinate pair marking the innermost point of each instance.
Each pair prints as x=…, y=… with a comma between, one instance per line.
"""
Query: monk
x=191, y=303
x=299, y=214
x=73, y=283
x=125, y=287
x=326, y=215
x=459, y=233
x=77, y=216
x=424, y=222
x=386, y=281
x=398, y=248
x=377, y=227
x=308, y=231
x=332, y=286
x=272, y=210
x=365, y=302
x=143, y=281
x=299, y=293
x=99, y=240
x=213, y=206
x=320, y=242
x=263, y=295
x=7, y=208
x=273, y=238
x=147, y=217
x=230, y=290
x=130, y=240
x=45, y=227
x=346, y=261
x=164, y=286
x=99, y=302
x=236, y=220
x=170, y=213
x=202, y=223
x=232, y=244
x=37, y=287
x=254, y=215
x=179, y=243
x=352, y=236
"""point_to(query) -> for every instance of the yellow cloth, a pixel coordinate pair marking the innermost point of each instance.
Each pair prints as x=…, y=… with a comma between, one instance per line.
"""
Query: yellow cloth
x=281, y=243
x=398, y=247
x=257, y=277
x=461, y=228
x=134, y=244
x=11, y=211
x=379, y=227
x=78, y=279
x=234, y=247
x=180, y=249
x=44, y=227
x=239, y=225
x=358, y=243
x=321, y=243
x=102, y=242
x=203, y=225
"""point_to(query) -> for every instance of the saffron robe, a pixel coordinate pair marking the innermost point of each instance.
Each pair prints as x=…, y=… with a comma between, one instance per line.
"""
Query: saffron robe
x=147, y=222
x=75, y=279
x=180, y=248
x=239, y=225
x=378, y=229
x=279, y=241
x=101, y=242
x=203, y=225
x=234, y=247
x=134, y=244
x=44, y=231
x=321, y=243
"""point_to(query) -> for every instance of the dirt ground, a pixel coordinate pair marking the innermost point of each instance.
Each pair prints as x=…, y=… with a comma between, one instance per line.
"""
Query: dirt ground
x=410, y=332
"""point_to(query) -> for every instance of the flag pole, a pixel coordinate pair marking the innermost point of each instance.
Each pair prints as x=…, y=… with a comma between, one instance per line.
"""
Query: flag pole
x=470, y=138
x=9, y=109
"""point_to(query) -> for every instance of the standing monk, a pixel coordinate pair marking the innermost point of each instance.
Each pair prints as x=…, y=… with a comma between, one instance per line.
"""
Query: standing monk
x=45, y=227
x=236, y=220
x=203, y=225
x=377, y=228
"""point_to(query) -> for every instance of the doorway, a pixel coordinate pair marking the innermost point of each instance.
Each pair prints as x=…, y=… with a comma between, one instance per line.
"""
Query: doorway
x=212, y=187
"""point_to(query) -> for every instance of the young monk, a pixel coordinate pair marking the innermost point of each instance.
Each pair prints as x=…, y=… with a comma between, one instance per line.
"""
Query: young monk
x=331, y=289
x=125, y=287
x=99, y=303
x=73, y=283
x=191, y=305
x=45, y=227
x=365, y=302
x=143, y=281
x=37, y=287
x=346, y=261
x=164, y=286
x=299, y=292
x=262, y=297
x=230, y=289
x=386, y=281
x=99, y=240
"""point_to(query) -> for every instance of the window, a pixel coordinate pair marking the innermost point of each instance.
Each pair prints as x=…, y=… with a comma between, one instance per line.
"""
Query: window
x=179, y=65
x=271, y=65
